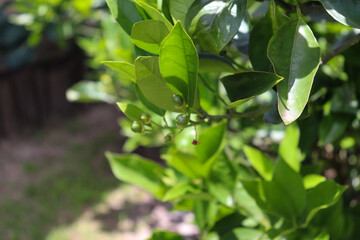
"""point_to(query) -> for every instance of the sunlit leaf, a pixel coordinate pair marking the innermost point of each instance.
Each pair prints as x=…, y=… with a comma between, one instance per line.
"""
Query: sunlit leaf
x=139, y=171
x=179, y=63
x=295, y=55
x=344, y=11
x=149, y=34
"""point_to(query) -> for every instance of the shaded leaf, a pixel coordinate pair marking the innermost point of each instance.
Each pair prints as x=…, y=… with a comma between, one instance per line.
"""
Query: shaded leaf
x=130, y=110
x=260, y=162
x=125, y=13
x=291, y=185
x=179, y=9
x=154, y=13
x=245, y=234
x=126, y=70
x=147, y=103
x=149, y=34
x=163, y=235
x=295, y=55
x=242, y=87
x=213, y=63
x=260, y=36
x=323, y=196
x=179, y=63
x=332, y=127
x=151, y=83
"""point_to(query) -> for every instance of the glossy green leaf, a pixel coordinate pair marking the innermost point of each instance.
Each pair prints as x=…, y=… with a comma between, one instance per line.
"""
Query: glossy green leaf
x=139, y=171
x=288, y=149
x=242, y=87
x=344, y=11
x=165, y=9
x=323, y=196
x=206, y=21
x=179, y=63
x=130, y=110
x=147, y=103
x=154, y=13
x=295, y=55
x=332, y=127
x=260, y=162
x=291, y=185
x=149, y=34
x=312, y=180
x=179, y=9
x=260, y=36
x=163, y=235
x=126, y=70
x=245, y=234
x=89, y=91
x=213, y=63
x=177, y=191
x=125, y=13
x=151, y=83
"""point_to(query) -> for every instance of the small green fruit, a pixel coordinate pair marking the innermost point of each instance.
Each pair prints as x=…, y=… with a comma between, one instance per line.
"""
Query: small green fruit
x=182, y=120
x=169, y=138
x=146, y=118
x=137, y=127
x=178, y=101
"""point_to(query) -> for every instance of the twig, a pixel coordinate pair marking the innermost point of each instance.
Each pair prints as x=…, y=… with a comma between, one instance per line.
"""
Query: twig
x=352, y=41
x=288, y=7
x=237, y=114
x=211, y=89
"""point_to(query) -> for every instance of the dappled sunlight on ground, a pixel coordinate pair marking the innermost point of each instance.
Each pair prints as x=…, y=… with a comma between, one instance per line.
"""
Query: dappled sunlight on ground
x=127, y=213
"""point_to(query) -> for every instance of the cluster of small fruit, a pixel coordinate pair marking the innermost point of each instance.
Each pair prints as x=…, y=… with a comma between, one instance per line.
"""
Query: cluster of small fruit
x=182, y=120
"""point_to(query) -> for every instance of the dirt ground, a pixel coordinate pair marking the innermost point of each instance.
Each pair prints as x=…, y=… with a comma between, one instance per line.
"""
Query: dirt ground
x=55, y=184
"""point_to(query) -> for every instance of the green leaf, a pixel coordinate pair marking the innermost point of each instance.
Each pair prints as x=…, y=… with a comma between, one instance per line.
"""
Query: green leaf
x=212, y=63
x=126, y=70
x=312, y=180
x=345, y=11
x=260, y=36
x=291, y=185
x=165, y=8
x=154, y=13
x=212, y=142
x=245, y=234
x=163, y=235
x=151, y=83
x=288, y=149
x=147, y=103
x=130, y=110
x=242, y=87
x=206, y=21
x=177, y=191
x=149, y=34
x=179, y=63
x=88, y=91
x=332, y=127
x=260, y=162
x=323, y=196
x=295, y=55
x=179, y=9
x=139, y=171
x=125, y=13
x=186, y=163
x=205, y=213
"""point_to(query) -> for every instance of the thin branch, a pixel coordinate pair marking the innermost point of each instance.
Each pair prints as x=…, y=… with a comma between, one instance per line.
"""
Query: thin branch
x=231, y=115
x=288, y=7
x=352, y=41
x=211, y=89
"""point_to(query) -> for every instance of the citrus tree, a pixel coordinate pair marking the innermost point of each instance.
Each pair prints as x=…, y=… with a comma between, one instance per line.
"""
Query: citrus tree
x=256, y=106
